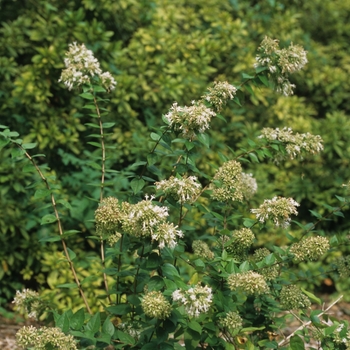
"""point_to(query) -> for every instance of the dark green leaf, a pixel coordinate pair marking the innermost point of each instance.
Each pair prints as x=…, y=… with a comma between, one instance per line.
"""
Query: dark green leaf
x=94, y=324
x=48, y=219
x=137, y=185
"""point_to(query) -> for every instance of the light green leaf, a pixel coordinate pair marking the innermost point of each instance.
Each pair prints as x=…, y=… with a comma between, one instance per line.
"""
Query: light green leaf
x=48, y=219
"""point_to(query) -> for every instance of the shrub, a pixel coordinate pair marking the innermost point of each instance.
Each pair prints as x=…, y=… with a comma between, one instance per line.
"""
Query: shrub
x=168, y=289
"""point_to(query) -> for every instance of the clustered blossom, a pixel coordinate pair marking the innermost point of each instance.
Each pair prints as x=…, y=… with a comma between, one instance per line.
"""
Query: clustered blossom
x=231, y=321
x=183, y=190
x=249, y=282
x=28, y=302
x=242, y=241
x=310, y=248
x=249, y=185
x=155, y=305
x=202, y=249
x=343, y=266
x=44, y=338
x=280, y=63
x=166, y=235
x=108, y=216
x=295, y=143
x=143, y=218
x=227, y=182
x=219, y=94
x=291, y=297
x=196, y=300
x=278, y=209
x=81, y=66
x=269, y=272
x=341, y=336
x=190, y=120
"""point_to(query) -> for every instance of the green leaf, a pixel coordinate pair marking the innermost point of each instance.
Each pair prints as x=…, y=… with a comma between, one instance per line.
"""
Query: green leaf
x=253, y=157
x=312, y=296
x=155, y=137
x=248, y=222
x=204, y=139
x=264, y=80
x=67, y=285
x=94, y=324
x=29, y=145
x=50, y=239
x=42, y=193
x=108, y=327
x=92, y=125
x=77, y=320
x=87, y=96
x=96, y=144
x=247, y=76
x=195, y=326
x=137, y=185
x=48, y=219
x=121, y=309
x=169, y=271
x=62, y=321
x=314, y=213
x=126, y=338
x=65, y=204
x=108, y=125
x=296, y=343
x=71, y=254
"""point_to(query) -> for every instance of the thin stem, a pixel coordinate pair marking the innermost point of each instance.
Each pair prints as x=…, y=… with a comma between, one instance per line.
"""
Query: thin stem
x=118, y=298
x=286, y=340
x=60, y=228
x=103, y=171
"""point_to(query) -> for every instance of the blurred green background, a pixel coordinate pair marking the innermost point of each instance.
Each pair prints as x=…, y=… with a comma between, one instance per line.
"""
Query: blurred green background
x=160, y=52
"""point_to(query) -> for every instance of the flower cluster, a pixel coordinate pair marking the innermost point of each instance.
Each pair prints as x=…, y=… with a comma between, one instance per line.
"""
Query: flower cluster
x=310, y=248
x=166, y=234
x=278, y=209
x=190, y=120
x=219, y=94
x=108, y=216
x=343, y=266
x=269, y=272
x=341, y=336
x=44, y=338
x=227, y=182
x=28, y=302
x=155, y=305
x=231, y=321
x=81, y=66
x=242, y=241
x=183, y=190
x=144, y=219
x=291, y=297
x=248, y=186
x=249, y=282
x=295, y=143
x=202, y=249
x=196, y=300
x=280, y=63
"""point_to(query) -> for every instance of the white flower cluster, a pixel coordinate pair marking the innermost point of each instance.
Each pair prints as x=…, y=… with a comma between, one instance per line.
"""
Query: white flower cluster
x=230, y=183
x=310, y=248
x=81, y=66
x=184, y=190
x=28, y=302
x=295, y=142
x=196, y=300
x=278, y=209
x=44, y=338
x=219, y=94
x=231, y=321
x=249, y=282
x=190, y=120
x=145, y=219
x=280, y=62
x=155, y=305
x=292, y=297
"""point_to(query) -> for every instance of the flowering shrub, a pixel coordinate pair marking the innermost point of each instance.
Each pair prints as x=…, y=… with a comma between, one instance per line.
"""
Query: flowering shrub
x=214, y=289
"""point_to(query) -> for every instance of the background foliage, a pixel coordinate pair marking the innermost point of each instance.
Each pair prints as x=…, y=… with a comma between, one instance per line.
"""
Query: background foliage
x=161, y=52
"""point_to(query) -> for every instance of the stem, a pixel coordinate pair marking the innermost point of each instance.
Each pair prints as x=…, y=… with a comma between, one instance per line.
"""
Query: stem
x=118, y=298
x=103, y=171
x=286, y=340
x=60, y=229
